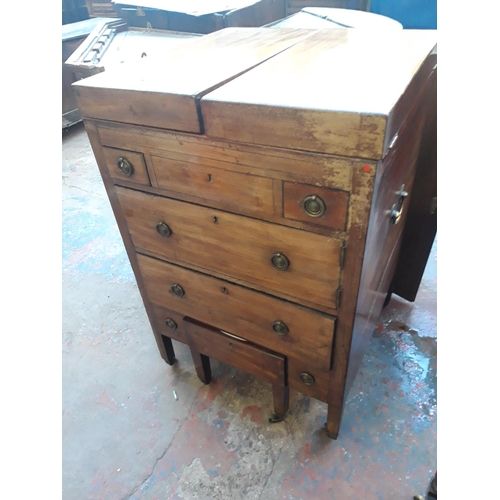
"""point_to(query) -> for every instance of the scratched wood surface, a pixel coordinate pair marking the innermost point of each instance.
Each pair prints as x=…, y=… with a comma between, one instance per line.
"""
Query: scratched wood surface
x=165, y=95
x=333, y=92
x=241, y=311
x=235, y=245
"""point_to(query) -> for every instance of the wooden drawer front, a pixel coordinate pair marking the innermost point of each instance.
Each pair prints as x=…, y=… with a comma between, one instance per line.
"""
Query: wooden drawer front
x=235, y=246
x=297, y=378
x=241, y=311
x=323, y=206
x=128, y=159
x=260, y=363
x=170, y=323
x=236, y=192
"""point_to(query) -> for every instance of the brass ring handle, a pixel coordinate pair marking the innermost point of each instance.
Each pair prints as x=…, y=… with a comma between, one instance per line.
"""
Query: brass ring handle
x=313, y=206
x=396, y=213
x=125, y=167
x=171, y=324
x=163, y=229
x=177, y=290
x=279, y=261
x=280, y=328
x=307, y=378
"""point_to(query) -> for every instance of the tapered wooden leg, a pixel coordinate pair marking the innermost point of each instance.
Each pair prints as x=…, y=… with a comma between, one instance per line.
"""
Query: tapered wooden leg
x=281, y=397
x=202, y=365
x=169, y=350
x=333, y=421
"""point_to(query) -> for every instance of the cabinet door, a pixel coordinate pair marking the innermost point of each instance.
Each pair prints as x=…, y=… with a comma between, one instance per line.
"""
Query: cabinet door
x=421, y=224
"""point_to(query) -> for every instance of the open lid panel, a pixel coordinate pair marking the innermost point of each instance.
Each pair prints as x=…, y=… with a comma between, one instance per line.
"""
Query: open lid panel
x=165, y=93
x=344, y=92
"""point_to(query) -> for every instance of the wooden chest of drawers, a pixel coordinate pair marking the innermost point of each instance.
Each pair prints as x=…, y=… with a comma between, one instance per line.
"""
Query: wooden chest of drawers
x=259, y=179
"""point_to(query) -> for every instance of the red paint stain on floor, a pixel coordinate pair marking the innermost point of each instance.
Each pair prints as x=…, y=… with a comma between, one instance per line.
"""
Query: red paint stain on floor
x=104, y=400
x=255, y=414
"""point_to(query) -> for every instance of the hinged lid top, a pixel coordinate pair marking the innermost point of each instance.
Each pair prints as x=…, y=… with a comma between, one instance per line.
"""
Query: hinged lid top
x=164, y=93
x=337, y=91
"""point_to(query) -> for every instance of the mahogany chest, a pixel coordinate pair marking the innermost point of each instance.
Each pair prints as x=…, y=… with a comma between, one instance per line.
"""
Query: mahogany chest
x=259, y=179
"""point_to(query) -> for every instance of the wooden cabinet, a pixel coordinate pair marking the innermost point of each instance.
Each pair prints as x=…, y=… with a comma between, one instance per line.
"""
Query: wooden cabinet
x=262, y=196
x=91, y=46
x=199, y=16
x=101, y=8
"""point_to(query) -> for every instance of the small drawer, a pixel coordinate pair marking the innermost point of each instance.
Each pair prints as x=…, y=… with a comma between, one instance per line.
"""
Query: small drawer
x=233, y=191
x=170, y=323
x=316, y=205
x=263, y=320
x=261, y=363
x=296, y=263
x=126, y=166
x=305, y=377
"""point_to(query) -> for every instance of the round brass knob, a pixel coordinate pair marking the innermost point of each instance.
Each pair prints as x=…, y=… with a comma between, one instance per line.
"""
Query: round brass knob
x=307, y=378
x=163, y=229
x=280, y=262
x=177, y=290
x=313, y=206
x=125, y=167
x=171, y=323
x=280, y=328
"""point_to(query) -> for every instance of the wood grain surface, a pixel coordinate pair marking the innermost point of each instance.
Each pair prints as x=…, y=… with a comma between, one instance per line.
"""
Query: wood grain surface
x=235, y=245
x=165, y=95
x=324, y=94
x=238, y=310
x=260, y=363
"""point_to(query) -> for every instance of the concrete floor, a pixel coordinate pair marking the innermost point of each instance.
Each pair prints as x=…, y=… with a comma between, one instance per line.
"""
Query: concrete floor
x=125, y=436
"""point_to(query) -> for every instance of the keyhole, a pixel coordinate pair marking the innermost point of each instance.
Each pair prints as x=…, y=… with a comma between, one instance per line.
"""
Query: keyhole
x=216, y=221
x=209, y=177
x=223, y=289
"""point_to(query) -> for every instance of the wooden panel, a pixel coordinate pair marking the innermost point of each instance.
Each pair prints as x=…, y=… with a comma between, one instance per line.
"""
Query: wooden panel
x=336, y=203
x=311, y=168
x=241, y=311
x=319, y=389
x=421, y=225
x=241, y=193
x=384, y=238
x=265, y=365
x=165, y=95
x=290, y=102
x=136, y=160
x=235, y=245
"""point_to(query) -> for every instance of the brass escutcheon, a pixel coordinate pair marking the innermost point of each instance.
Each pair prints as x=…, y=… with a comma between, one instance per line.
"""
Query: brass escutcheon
x=280, y=328
x=313, y=206
x=307, y=378
x=163, y=229
x=177, y=290
x=125, y=167
x=280, y=262
x=171, y=323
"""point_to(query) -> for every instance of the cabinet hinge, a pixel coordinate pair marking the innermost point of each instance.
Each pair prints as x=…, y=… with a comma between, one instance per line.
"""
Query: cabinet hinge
x=338, y=297
x=342, y=255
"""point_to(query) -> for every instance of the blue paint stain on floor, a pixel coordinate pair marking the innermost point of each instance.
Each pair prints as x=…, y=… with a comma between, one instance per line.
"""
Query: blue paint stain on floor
x=92, y=244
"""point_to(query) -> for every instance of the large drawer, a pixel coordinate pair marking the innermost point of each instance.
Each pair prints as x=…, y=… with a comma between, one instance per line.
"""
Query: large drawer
x=261, y=319
x=290, y=261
